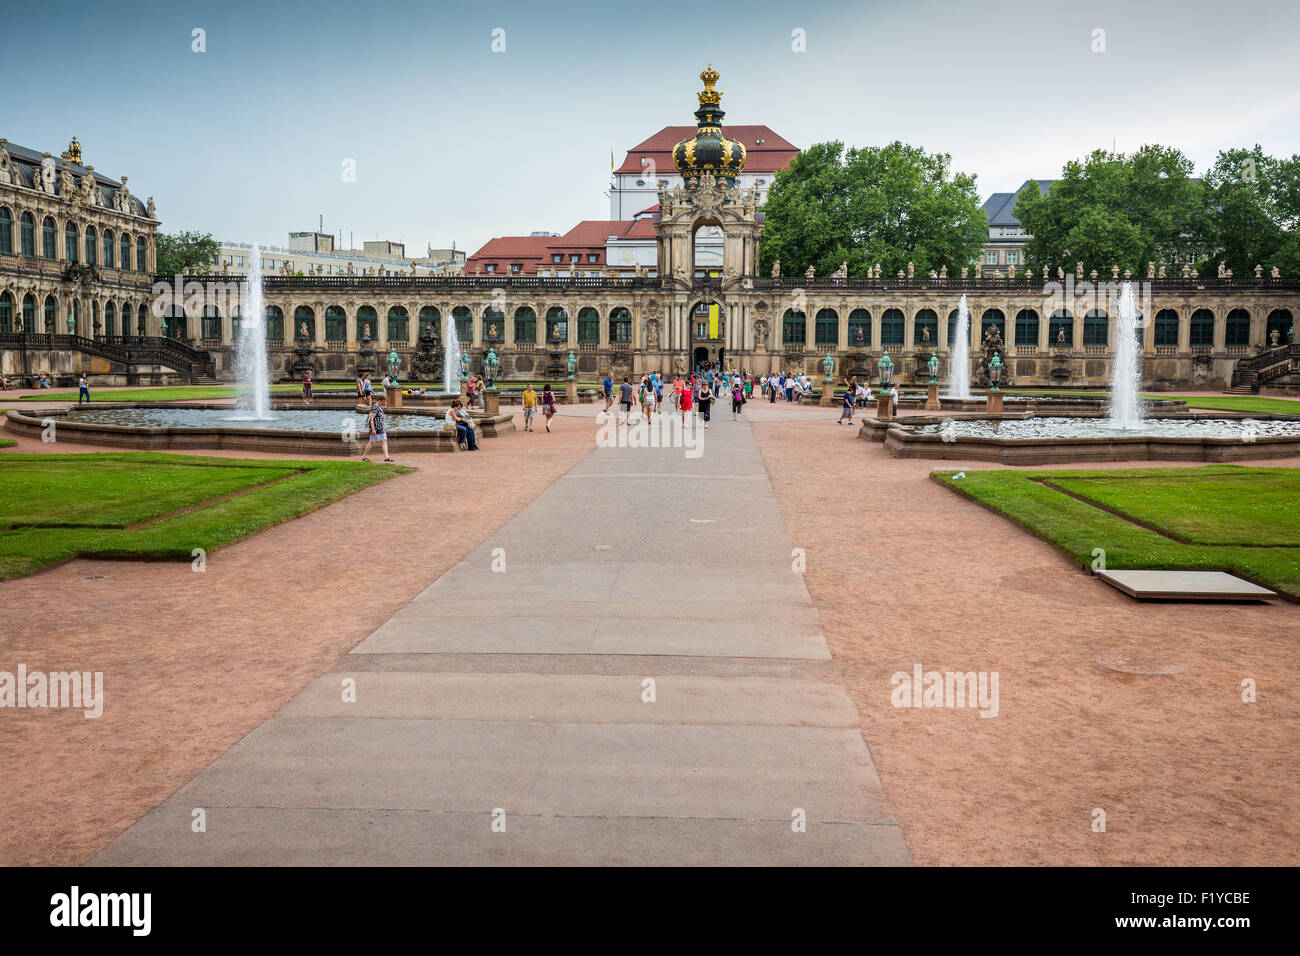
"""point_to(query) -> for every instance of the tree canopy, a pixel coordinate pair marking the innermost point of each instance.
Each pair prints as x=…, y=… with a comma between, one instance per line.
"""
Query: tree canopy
x=181, y=250
x=1111, y=209
x=886, y=205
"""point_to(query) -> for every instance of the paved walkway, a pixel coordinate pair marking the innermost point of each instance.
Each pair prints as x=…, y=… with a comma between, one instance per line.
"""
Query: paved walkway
x=517, y=696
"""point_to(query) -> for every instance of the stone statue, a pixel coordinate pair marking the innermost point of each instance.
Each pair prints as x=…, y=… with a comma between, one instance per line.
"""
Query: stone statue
x=776, y=269
x=911, y=270
x=351, y=271
x=151, y=209
x=925, y=335
x=812, y=271
x=1275, y=274
x=492, y=330
x=1222, y=270
x=679, y=364
x=652, y=334
x=7, y=174
x=1151, y=270
x=1078, y=270
x=88, y=190
x=943, y=272
x=1060, y=273
x=1011, y=271
x=302, y=330
x=365, y=331
x=1160, y=273
x=67, y=183
x=964, y=270
x=858, y=337
x=760, y=334
x=1060, y=335
x=44, y=180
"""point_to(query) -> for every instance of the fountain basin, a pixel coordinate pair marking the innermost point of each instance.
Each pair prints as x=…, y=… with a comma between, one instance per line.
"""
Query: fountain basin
x=207, y=426
x=1025, y=439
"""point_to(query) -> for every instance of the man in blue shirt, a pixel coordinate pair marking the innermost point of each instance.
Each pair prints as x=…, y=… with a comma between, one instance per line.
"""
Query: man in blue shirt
x=608, y=386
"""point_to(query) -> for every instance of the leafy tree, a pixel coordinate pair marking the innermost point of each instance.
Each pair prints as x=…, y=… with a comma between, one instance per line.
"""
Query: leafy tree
x=184, y=249
x=886, y=205
x=1116, y=210
x=1254, y=204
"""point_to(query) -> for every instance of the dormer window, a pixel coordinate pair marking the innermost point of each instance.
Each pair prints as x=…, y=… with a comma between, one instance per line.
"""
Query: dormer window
x=574, y=259
x=593, y=257
x=557, y=258
x=516, y=267
x=491, y=267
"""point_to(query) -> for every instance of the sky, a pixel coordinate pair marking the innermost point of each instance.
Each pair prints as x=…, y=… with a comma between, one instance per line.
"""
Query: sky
x=452, y=142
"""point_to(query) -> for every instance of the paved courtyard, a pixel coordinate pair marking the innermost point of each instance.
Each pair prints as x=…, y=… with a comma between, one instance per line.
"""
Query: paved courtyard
x=522, y=690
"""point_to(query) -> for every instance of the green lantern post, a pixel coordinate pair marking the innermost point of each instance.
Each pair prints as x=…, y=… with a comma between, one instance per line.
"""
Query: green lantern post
x=932, y=394
x=491, y=369
x=993, y=401
x=884, y=397
x=828, y=388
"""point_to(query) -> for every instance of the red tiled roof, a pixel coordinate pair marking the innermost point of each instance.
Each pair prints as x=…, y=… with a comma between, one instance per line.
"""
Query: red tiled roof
x=773, y=154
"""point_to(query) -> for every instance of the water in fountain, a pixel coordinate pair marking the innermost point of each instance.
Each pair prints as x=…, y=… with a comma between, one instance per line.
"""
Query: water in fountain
x=250, y=351
x=1126, y=374
x=959, y=375
x=451, y=359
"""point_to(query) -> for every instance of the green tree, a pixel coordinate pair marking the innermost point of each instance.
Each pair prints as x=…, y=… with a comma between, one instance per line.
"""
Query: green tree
x=886, y=205
x=181, y=250
x=1254, y=203
x=1116, y=210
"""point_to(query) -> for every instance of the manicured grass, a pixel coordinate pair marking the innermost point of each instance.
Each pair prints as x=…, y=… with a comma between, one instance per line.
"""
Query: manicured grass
x=181, y=393
x=6, y=442
x=54, y=507
x=1229, y=515
x=1240, y=403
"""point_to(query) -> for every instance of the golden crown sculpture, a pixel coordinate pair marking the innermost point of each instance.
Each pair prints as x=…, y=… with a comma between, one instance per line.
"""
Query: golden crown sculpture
x=709, y=96
x=74, y=151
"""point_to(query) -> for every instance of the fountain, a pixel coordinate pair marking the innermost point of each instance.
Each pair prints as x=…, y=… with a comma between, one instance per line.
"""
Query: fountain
x=959, y=374
x=250, y=356
x=1126, y=373
x=451, y=360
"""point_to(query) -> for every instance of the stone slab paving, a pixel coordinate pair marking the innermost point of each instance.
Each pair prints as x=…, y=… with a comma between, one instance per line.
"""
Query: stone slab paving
x=1186, y=585
x=636, y=556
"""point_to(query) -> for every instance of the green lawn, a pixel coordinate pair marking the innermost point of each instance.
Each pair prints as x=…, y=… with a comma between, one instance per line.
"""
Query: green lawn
x=211, y=393
x=1240, y=403
x=1244, y=520
x=54, y=507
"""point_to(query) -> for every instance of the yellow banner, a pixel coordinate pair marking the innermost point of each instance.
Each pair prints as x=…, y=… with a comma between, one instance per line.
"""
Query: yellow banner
x=713, y=321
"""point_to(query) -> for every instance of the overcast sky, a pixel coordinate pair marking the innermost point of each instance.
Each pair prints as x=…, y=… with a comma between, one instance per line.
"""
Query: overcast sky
x=453, y=142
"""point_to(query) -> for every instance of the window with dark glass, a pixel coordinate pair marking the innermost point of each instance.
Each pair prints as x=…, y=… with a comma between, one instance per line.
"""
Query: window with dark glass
x=620, y=325
x=859, y=328
x=525, y=325
x=892, y=328
x=794, y=327
x=1166, y=328
x=1027, y=328
x=1236, y=330
x=28, y=234
x=1096, y=328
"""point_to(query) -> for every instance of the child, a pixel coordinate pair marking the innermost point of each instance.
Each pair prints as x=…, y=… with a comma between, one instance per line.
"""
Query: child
x=847, y=410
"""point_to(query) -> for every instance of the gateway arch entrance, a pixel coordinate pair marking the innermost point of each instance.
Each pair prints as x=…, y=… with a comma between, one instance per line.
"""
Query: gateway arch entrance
x=708, y=331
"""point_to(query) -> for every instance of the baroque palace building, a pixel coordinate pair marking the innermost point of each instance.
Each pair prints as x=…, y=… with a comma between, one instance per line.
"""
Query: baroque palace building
x=1051, y=330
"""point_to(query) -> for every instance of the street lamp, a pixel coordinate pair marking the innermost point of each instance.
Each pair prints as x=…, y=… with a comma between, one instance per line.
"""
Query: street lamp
x=828, y=363
x=886, y=366
x=571, y=364
x=491, y=365
x=393, y=362
x=995, y=372
x=934, y=368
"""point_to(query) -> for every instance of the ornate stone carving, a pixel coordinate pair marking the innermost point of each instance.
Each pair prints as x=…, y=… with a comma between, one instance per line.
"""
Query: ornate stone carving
x=8, y=174
x=652, y=334
x=776, y=269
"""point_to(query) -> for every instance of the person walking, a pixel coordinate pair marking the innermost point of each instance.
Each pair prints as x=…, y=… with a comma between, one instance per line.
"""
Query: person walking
x=737, y=400
x=378, y=429
x=893, y=397
x=83, y=389
x=647, y=398
x=846, y=410
x=368, y=390
x=530, y=407
x=306, y=387
x=625, y=401
x=548, y=404
x=706, y=402
x=361, y=389
x=684, y=400
x=608, y=386
x=658, y=382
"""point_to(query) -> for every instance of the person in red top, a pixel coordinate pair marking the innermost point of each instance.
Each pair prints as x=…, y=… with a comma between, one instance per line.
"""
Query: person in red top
x=686, y=396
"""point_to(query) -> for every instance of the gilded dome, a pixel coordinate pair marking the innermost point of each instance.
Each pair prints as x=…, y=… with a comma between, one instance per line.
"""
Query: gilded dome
x=708, y=152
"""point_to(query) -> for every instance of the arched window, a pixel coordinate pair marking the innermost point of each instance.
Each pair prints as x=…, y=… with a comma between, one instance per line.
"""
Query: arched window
x=525, y=325
x=993, y=317
x=110, y=318
x=1279, y=320
x=464, y=320
x=1027, y=328
x=108, y=248
x=274, y=324
x=29, y=313
x=236, y=322
x=141, y=320
x=28, y=234
x=952, y=329
x=399, y=324
x=1236, y=331
x=588, y=325
x=620, y=325
x=51, y=314
x=6, y=312
x=794, y=327
x=367, y=323
x=557, y=324
x=430, y=322
x=1096, y=328
x=177, y=323
x=826, y=327
x=859, y=329
x=210, y=327
x=336, y=324
x=1166, y=328
x=892, y=325
x=6, y=231
x=141, y=253
x=124, y=251
x=1061, y=321
x=925, y=319
x=494, y=325
x=48, y=236
x=70, y=238
x=92, y=245
x=304, y=322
